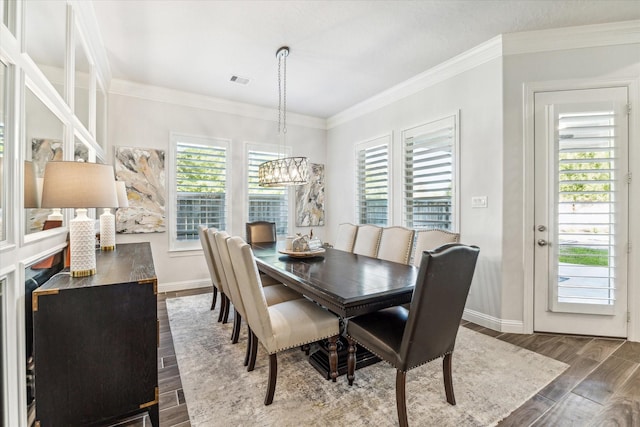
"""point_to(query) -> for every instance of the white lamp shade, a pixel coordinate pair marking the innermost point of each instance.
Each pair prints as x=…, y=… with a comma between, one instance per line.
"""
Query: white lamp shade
x=121, y=192
x=78, y=185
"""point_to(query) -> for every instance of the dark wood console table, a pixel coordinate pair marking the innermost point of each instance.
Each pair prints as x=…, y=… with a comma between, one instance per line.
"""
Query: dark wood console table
x=96, y=341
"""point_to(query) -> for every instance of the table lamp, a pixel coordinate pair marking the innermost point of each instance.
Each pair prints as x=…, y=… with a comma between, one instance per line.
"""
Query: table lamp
x=108, y=220
x=79, y=185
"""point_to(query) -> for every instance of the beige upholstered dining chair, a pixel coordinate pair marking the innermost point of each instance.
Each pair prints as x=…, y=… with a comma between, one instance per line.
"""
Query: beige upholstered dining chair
x=396, y=244
x=273, y=294
x=346, y=237
x=281, y=326
x=430, y=239
x=407, y=339
x=261, y=232
x=367, y=240
x=206, y=249
x=225, y=302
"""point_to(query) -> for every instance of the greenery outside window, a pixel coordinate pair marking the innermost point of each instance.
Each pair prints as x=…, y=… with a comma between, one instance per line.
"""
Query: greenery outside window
x=199, y=187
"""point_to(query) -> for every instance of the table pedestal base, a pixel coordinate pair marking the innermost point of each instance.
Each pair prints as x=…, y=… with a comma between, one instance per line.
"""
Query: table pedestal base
x=319, y=359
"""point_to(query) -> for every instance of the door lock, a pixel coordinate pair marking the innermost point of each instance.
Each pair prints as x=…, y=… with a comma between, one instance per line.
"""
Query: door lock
x=542, y=242
x=542, y=228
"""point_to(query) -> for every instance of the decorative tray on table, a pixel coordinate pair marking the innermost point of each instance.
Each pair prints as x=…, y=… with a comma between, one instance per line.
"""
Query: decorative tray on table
x=303, y=254
x=303, y=246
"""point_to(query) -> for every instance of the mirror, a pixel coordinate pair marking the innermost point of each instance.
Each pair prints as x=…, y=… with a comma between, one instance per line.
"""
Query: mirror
x=45, y=38
x=4, y=190
x=44, y=135
x=82, y=83
x=101, y=116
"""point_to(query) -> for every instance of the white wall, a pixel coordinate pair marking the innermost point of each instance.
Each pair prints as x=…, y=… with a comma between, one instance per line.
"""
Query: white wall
x=477, y=94
x=139, y=122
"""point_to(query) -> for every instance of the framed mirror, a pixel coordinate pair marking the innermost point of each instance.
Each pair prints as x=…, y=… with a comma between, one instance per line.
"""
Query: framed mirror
x=45, y=38
x=82, y=82
x=4, y=184
x=44, y=136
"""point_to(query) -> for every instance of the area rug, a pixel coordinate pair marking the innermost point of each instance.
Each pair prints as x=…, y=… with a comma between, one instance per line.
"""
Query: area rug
x=491, y=379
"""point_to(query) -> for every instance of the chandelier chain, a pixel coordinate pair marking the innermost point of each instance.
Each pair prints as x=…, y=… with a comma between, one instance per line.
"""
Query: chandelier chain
x=284, y=109
x=279, y=92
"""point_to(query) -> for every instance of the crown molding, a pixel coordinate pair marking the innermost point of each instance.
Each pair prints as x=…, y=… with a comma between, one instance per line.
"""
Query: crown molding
x=609, y=34
x=193, y=100
x=468, y=60
x=597, y=35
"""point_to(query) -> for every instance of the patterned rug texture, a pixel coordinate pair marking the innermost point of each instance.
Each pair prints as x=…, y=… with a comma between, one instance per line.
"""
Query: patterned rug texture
x=491, y=378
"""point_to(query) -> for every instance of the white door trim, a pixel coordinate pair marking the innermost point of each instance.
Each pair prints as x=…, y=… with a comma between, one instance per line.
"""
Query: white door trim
x=529, y=90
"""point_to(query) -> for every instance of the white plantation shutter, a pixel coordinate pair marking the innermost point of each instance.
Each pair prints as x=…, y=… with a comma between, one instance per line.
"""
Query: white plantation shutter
x=588, y=178
x=372, y=182
x=429, y=175
x=266, y=203
x=200, y=188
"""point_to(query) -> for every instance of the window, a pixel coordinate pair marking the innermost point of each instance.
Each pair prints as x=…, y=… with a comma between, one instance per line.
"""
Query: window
x=266, y=203
x=372, y=181
x=199, y=187
x=430, y=174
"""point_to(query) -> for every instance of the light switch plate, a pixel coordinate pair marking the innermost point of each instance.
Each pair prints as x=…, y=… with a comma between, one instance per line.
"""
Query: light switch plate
x=479, y=201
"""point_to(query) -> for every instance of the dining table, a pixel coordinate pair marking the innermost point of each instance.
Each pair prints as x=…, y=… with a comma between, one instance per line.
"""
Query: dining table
x=344, y=283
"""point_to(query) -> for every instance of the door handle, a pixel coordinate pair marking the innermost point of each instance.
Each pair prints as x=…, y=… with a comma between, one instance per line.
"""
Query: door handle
x=541, y=228
x=542, y=242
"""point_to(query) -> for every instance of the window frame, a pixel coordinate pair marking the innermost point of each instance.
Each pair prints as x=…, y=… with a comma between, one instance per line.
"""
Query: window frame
x=452, y=121
x=176, y=245
x=279, y=151
x=386, y=139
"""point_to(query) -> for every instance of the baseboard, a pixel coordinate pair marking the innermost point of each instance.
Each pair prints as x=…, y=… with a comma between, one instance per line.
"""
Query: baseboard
x=500, y=325
x=182, y=285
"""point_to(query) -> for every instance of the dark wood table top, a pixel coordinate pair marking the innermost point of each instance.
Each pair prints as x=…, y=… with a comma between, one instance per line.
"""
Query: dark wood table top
x=345, y=283
x=129, y=262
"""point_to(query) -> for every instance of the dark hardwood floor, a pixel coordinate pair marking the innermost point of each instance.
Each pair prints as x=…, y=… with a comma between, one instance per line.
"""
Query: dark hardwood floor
x=600, y=387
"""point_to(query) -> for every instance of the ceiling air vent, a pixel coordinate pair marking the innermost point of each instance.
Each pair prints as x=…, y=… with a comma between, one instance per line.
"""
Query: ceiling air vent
x=240, y=80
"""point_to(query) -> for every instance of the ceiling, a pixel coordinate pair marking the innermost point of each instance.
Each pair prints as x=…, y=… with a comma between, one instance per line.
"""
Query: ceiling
x=342, y=52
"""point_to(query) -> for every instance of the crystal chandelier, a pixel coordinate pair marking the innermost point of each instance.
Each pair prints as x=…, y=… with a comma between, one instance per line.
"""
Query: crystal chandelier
x=284, y=170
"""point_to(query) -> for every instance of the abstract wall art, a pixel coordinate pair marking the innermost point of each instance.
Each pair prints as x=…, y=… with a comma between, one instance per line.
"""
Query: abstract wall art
x=310, y=198
x=143, y=171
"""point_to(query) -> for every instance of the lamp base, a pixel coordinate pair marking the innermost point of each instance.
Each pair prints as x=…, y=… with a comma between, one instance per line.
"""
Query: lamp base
x=82, y=245
x=83, y=273
x=107, y=231
x=55, y=215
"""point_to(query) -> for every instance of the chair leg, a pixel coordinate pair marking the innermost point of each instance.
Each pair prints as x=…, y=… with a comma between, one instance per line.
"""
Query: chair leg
x=249, y=341
x=223, y=300
x=448, y=379
x=401, y=402
x=351, y=360
x=254, y=352
x=237, y=322
x=332, y=346
x=305, y=348
x=227, y=308
x=215, y=297
x=273, y=376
